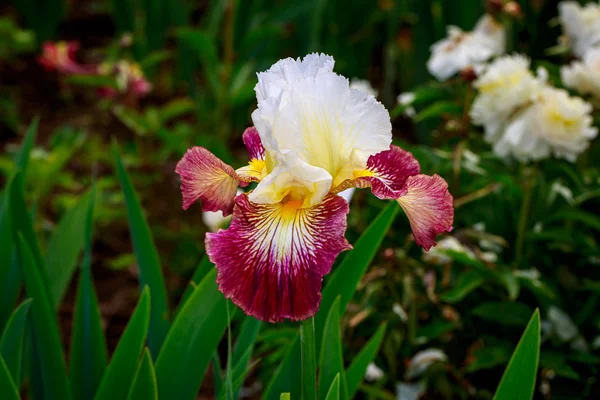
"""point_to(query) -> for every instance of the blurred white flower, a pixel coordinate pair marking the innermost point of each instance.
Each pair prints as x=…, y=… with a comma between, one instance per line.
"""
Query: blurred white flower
x=422, y=360
x=525, y=118
x=471, y=162
x=437, y=254
x=373, y=373
x=558, y=188
x=462, y=49
x=584, y=76
x=400, y=312
x=347, y=194
x=410, y=391
x=563, y=122
x=505, y=85
x=364, y=86
x=214, y=220
x=581, y=25
x=563, y=326
x=406, y=99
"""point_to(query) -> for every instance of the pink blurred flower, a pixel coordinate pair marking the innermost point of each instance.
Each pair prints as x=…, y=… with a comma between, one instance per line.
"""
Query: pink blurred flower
x=130, y=79
x=60, y=56
x=313, y=137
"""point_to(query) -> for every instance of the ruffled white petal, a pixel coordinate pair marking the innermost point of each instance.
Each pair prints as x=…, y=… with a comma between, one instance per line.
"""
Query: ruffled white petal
x=292, y=180
x=584, y=76
x=325, y=122
x=581, y=25
x=462, y=49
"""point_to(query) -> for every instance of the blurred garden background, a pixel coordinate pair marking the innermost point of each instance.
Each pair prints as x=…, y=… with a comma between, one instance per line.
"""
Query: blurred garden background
x=99, y=99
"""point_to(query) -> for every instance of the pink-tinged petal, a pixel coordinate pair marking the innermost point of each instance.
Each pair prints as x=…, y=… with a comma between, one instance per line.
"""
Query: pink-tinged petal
x=272, y=259
x=205, y=177
x=428, y=205
x=255, y=148
x=386, y=173
x=141, y=87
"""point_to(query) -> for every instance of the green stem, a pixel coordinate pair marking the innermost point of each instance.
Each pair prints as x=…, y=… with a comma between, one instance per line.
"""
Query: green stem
x=529, y=176
x=229, y=356
x=309, y=359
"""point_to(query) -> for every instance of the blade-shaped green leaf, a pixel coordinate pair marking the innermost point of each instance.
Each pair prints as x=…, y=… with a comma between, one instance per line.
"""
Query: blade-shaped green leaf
x=188, y=349
x=144, y=385
x=8, y=389
x=348, y=274
x=119, y=375
x=239, y=374
x=309, y=359
x=64, y=247
x=343, y=282
x=10, y=282
x=504, y=312
x=357, y=369
x=22, y=159
x=285, y=377
x=332, y=360
x=201, y=271
x=88, y=346
x=48, y=351
x=12, y=341
x=147, y=258
x=242, y=352
x=464, y=285
x=334, y=390
x=19, y=220
x=518, y=381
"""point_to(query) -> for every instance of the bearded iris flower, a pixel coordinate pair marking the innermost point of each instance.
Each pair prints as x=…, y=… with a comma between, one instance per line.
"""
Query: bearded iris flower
x=313, y=137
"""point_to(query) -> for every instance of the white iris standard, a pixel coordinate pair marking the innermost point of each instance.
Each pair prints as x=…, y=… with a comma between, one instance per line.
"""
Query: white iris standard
x=316, y=130
x=462, y=49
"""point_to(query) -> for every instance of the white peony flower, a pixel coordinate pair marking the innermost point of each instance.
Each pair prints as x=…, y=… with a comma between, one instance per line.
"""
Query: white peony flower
x=581, y=25
x=462, y=49
x=437, y=254
x=505, y=85
x=584, y=76
x=563, y=122
x=525, y=118
x=364, y=86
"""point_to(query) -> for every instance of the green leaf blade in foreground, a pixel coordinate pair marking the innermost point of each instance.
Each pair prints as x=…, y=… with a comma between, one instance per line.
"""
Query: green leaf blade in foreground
x=334, y=390
x=45, y=333
x=12, y=341
x=22, y=159
x=147, y=259
x=348, y=274
x=518, y=381
x=8, y=389
x=64, y=247
x=309, y=359
x=332, y=360
x=343, y=282
x=188, y=349
x=88, y=346
x=357, y=369
x=144, y=385
x=121, y=371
